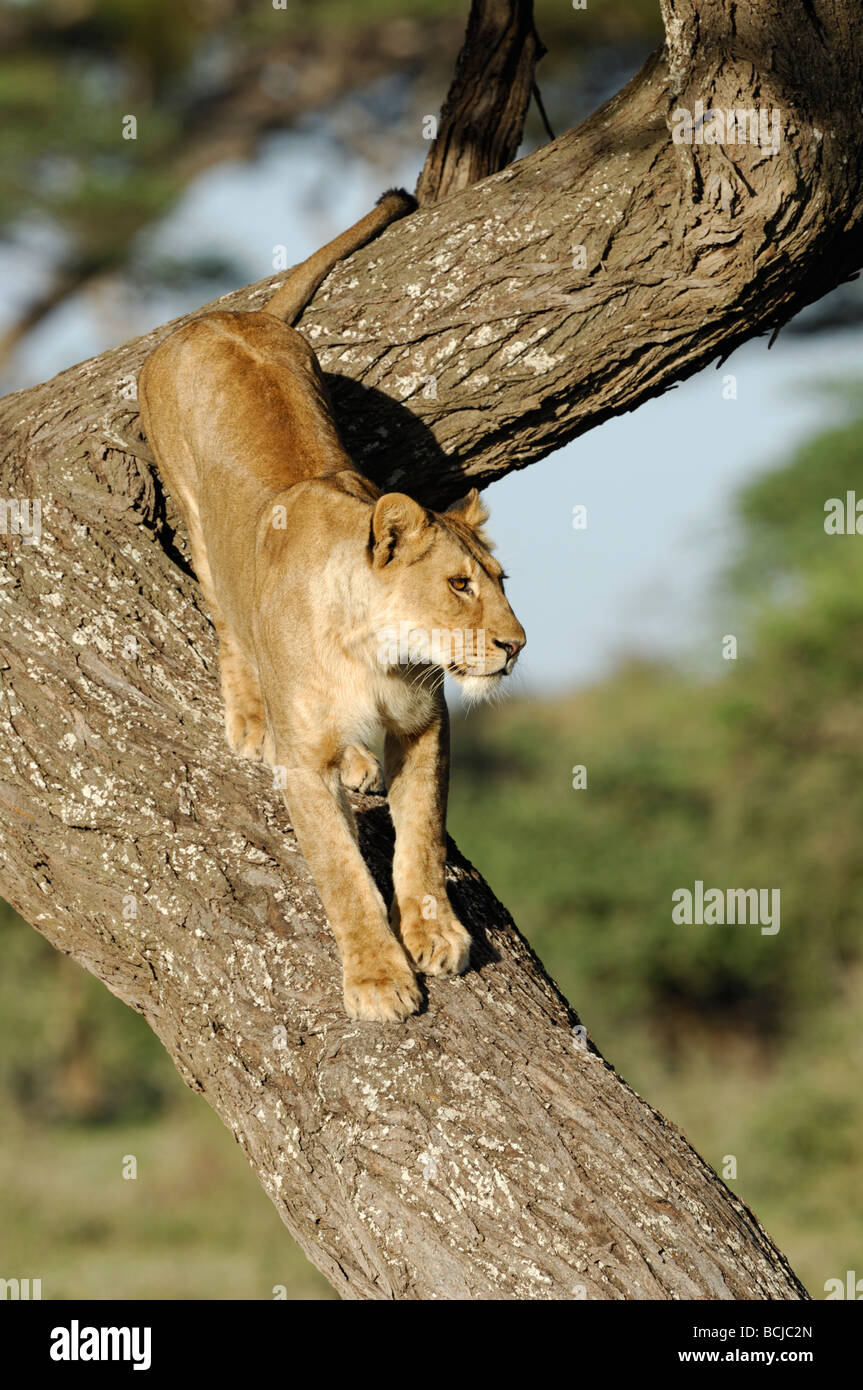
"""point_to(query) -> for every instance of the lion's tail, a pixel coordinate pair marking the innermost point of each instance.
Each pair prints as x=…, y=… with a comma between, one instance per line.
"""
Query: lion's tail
x=291, y=299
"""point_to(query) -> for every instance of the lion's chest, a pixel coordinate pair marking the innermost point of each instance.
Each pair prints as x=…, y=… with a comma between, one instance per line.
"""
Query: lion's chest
x=382, y=701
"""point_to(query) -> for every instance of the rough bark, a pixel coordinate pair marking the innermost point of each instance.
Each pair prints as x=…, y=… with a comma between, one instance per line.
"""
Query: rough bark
x=480, y=1150
x=482, y=119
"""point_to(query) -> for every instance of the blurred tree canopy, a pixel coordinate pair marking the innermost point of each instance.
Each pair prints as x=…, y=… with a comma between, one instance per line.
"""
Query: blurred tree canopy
x=206, y=80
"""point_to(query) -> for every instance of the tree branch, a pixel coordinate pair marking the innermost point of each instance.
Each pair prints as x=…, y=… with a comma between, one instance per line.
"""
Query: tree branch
x=483, y=116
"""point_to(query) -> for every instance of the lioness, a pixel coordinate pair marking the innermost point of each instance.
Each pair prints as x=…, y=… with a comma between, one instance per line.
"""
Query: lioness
x=329, y=600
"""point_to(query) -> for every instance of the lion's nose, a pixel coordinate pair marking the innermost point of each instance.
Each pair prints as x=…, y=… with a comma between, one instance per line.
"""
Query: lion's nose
x=511, y=648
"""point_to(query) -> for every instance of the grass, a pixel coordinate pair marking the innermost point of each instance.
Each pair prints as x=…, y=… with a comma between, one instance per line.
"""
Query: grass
x=193, y=1224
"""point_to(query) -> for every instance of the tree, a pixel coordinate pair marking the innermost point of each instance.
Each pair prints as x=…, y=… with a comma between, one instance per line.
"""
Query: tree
x=484, y=1149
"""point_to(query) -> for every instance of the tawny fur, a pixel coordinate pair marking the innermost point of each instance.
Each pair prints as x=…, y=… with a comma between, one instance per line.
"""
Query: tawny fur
x=304, y=565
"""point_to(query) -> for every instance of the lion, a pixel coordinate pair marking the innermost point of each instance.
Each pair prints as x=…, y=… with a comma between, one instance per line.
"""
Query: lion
x=338, y=610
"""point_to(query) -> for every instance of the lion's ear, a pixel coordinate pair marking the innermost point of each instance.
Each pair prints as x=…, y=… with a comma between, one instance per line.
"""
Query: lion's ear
x=397, y=521
x=470, y=509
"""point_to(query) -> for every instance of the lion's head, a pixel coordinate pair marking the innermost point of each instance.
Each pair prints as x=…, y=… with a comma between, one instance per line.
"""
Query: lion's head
x=440, y=599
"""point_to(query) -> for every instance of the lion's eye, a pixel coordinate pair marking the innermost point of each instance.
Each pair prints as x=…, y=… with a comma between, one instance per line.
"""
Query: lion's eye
x=460, y=584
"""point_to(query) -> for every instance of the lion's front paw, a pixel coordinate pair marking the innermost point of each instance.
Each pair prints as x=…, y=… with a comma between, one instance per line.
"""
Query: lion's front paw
x=437, y=947
x=384, y=989
x=360, y=771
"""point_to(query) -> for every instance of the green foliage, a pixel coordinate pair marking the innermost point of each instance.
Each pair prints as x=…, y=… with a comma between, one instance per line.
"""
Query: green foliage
x=62, y=152
x=752, y=780
x=71, y=1054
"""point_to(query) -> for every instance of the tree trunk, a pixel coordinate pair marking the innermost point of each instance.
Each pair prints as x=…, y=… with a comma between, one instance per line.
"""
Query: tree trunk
x=482, y=1149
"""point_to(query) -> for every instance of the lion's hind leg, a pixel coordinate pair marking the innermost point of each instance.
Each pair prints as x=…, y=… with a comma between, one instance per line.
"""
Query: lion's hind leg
x=245, y=718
